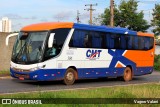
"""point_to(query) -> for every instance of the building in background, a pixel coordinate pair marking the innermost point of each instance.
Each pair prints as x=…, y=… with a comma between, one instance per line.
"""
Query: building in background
x=5, y=25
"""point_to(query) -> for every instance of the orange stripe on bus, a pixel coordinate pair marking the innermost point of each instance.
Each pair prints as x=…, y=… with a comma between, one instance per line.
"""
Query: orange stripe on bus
x=47, y=26
x=145, y=34
x=119, y=66
x=141, y=58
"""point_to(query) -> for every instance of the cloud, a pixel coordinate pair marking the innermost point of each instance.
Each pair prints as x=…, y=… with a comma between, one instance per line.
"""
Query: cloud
x=18, y=17
x=12, y=16
x=17, y=26
x=44, y=20
x=65, y=15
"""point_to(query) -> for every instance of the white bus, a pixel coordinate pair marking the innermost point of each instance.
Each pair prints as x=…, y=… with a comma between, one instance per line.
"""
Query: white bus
x=70, y=51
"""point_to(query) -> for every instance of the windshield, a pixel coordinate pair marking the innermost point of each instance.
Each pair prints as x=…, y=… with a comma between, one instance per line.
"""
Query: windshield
x=28, y=47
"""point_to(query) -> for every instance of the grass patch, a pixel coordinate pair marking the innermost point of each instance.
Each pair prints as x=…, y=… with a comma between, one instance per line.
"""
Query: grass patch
x=132, y=91
x=4, y=73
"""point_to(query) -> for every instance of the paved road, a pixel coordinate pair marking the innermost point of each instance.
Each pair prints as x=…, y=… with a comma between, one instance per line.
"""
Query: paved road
x=14, y=85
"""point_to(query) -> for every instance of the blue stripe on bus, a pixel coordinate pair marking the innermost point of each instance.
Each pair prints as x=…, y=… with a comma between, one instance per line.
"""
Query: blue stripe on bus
x=58, y=74
x=118, y=56
x=104, y=29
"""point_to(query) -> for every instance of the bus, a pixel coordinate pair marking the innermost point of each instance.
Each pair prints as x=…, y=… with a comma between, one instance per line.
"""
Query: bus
x=71, y=51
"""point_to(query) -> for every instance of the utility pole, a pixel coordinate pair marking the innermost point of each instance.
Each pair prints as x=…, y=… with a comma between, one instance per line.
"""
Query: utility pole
x=91, y=10
x=78, y=20
x=112, y=13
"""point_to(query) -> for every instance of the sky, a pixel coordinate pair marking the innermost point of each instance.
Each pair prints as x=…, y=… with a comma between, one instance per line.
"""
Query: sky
x=25, y=12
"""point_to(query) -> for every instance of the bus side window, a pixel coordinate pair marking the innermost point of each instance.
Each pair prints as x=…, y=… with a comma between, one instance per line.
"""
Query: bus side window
x=151, y=43
x=123, y=42
x=110, y=41
x=135, y=43
x=130, y=42
x=71, y=42
x=107, y=40
x=141, y=43
x=96, y=40
x=115, y=41
x=147, y=40
x=104, y=42
x=77, y=39
x=88, y=40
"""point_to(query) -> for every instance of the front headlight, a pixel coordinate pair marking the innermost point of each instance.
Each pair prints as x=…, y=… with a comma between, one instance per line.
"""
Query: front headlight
x=36, y=68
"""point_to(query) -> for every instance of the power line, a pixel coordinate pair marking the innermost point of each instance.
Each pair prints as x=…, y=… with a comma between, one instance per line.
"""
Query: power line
x=91, y=10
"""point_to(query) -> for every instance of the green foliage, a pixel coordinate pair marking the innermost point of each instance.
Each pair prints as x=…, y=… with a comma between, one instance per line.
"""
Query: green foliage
x=126, y=15
x=157, y=62
x=156, y=19
x=4, y=73
x=106, y=17
x=132, y=91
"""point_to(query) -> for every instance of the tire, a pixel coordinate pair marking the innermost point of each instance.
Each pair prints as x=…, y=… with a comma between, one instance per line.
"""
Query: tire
x=127, y=76
x=69, y=77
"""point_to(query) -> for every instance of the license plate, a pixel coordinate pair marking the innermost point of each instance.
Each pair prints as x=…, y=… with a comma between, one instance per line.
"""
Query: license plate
x=21, y=78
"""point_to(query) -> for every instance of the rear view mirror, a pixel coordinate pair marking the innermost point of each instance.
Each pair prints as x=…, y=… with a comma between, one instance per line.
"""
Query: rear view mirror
x=51, y=40
x=11, y=35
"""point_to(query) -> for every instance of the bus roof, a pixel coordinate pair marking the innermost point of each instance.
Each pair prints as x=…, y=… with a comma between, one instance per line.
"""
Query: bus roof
x=56, y=25
x=47, y=26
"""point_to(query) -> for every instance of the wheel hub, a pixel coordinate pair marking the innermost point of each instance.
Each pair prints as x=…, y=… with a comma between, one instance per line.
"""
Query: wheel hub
x=70, y=76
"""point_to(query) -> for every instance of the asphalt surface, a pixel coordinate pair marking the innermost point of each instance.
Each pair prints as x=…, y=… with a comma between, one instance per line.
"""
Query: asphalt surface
x=15, y=85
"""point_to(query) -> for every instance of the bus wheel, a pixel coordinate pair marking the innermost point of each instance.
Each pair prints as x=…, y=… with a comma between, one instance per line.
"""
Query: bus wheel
x=69, y=77
x=127, y=74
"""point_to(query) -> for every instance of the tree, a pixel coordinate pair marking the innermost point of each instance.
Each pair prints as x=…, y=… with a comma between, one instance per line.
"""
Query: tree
x=126, y=15
x=106, y=17
x=156, y=19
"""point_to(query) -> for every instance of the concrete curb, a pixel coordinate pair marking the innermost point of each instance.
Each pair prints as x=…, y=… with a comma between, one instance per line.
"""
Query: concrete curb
x=5, y=77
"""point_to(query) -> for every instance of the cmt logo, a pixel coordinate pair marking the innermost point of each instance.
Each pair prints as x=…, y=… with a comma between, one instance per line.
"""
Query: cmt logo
x=93, y=54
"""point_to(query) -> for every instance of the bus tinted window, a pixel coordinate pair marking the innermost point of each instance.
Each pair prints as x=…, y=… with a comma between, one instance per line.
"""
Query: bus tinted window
x=151, y=43
x=123, y=42
x=104, y=40
x=96, y=40
x=141, y=43
x=138, y=43
x=135, y=43
x=79, y=39
x=147, y=43
x=113, y=41
x=116, y=41
x=130, y=42
x=86, y=39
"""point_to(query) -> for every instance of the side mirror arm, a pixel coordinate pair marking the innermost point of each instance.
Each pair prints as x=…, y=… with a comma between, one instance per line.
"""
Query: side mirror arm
x=11, y=35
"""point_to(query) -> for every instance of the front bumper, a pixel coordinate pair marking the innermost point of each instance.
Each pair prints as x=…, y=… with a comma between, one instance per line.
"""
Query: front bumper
x=38, y=75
